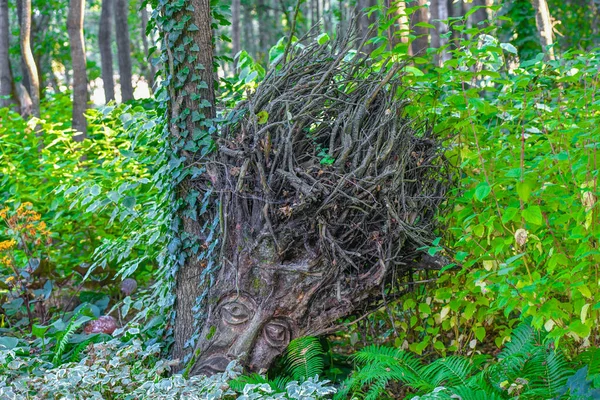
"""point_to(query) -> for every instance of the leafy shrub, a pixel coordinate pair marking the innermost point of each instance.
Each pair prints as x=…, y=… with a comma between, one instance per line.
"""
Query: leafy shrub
x=128, y=369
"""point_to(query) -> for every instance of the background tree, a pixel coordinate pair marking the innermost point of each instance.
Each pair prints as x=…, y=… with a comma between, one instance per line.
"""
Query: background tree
x=5, y=74
x=104, y=44
x=123, y=49
x=27, y=57
x=439, y=13
x=544, y=25
x=235, y=26
x=420, y=15
x=80, y=93
x=147, y=65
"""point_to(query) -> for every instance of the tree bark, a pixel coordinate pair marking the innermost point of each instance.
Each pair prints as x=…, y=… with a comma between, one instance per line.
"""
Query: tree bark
x=123, y=49
x=235, y=26
x=544, y=25
x=150, y=69
x=6, y=80
x=365, y=20
x=27, y=55
x=421, y=42
x=104, y=44
x=248, y=30
x=183, y=110
x=439, y=12
x=399, y=31
x=80, y=94
x=480, y=15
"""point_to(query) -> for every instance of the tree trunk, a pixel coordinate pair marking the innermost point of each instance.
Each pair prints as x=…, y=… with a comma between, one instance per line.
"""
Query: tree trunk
x=104, y=44
x=366, y=19
x=544, y=25
x=150, y=68
x=27, y=55
x=249, y=38
x=80, y=94
x=235, y=26
x=399, y=31
x=6, y=80
x=421, y=42
x=189, y=114
x=314, y=13
x=480, y=15
x=123, y=49
x=264, y=26
x=439, y=12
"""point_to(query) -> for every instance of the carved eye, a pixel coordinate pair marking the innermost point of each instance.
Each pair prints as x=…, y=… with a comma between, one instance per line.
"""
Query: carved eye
x=235, y=313
x=277, y=333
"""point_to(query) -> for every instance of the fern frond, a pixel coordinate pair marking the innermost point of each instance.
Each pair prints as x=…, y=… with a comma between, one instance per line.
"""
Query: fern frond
x=63, y=338
x=406, y=367
x=546, y=373
x=449, y=371
x=523, y=341
x=591, y=358
x=304, y=358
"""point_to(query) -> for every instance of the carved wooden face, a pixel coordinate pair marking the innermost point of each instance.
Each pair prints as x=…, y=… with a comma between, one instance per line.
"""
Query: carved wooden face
x=245, y=331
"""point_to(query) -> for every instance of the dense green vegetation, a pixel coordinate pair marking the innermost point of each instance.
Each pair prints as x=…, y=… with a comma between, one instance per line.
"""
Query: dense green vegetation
x=86, y=227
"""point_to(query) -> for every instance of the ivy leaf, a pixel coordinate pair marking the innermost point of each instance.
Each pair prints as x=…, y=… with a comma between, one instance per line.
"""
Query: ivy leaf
x=533, y=214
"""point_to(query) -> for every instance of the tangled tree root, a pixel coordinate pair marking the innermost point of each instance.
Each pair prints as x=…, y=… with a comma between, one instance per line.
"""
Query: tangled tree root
x=326, y=190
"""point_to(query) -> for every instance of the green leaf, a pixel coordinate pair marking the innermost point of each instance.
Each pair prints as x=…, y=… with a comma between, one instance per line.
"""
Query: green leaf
x=8, y=343
x=424, y=308
x=482, y=191
x=524, y=190
x=262, y=117
x=579, y=328
x=480, y=333
x=533, y=214
x=323, y=38
x=39, y=331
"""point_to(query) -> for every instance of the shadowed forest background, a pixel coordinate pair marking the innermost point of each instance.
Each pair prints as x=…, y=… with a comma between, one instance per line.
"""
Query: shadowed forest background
x=313, y=199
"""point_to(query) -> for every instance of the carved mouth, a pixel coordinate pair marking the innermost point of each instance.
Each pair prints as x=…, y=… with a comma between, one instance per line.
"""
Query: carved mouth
x=214, y=365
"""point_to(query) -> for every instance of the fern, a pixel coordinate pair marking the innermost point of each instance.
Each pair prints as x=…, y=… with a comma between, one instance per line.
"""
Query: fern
x=62, y=339
x=547, y=372
x=304, y=358
x=449, y=371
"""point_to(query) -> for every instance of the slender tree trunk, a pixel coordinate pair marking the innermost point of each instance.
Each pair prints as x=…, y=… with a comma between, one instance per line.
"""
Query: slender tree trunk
x=235, y=26
x=544, y=25
x=104, y=44
x=421, y=42
x=314, y=12
x=24, y=75
x=150, y=69
x=28, y=59
x=439, y=12
x=80, y=93
x=248, y=31
x=188, y=277
x=399, y=31
x=365, y=20
x=263, y=30
x=480, y=15
x=123, y=49
x=6, y=80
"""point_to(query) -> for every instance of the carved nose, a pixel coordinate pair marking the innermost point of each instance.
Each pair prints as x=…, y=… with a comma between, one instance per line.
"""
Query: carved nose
x=241, y=349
